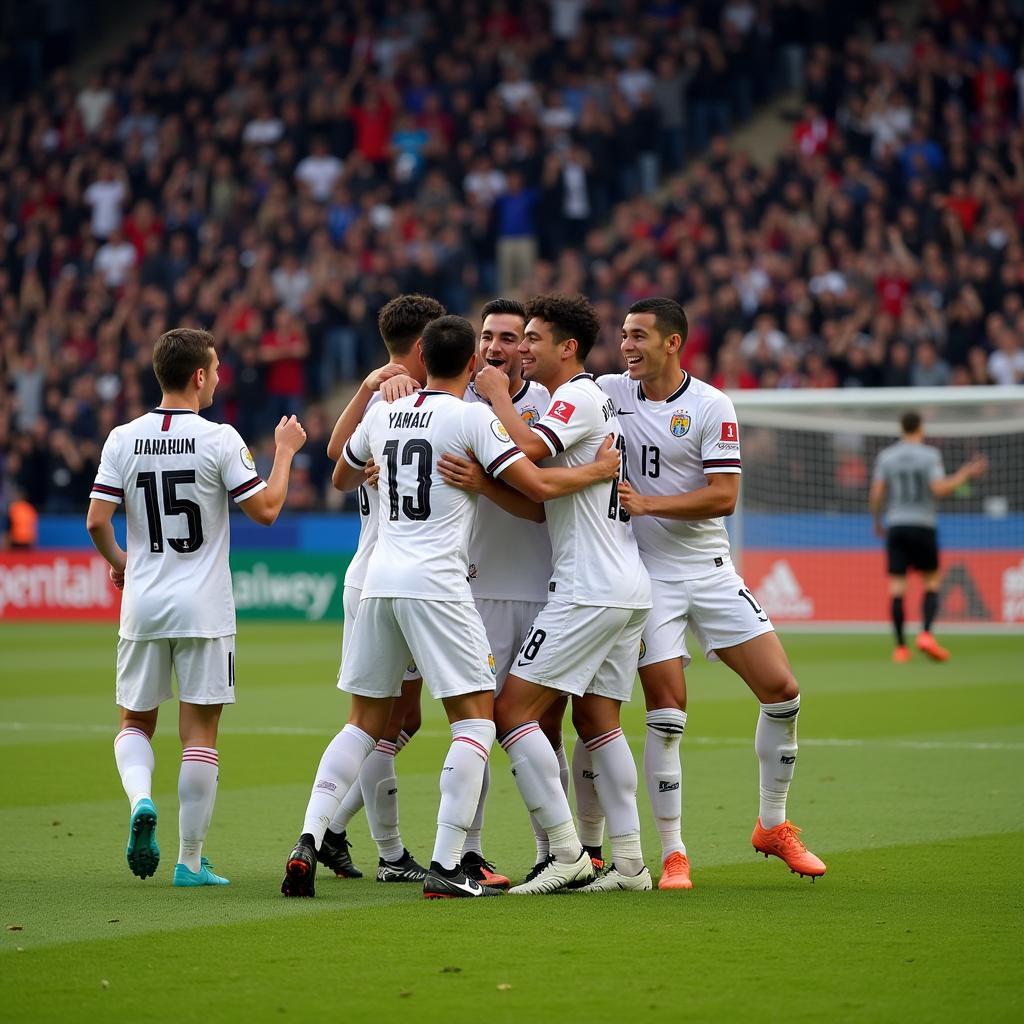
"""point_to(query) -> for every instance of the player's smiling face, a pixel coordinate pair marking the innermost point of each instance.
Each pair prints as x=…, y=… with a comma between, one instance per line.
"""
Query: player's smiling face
x=540, y=352
x=643, y=348
x=500, y=338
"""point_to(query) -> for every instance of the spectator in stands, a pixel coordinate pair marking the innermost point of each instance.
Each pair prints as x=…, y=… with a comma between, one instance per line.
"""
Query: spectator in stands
x=302, y=173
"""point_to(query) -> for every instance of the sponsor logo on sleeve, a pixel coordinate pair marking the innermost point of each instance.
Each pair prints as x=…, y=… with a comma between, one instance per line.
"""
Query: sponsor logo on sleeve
x=247, y=460
x=730, y=432
x=562, y=411
x=499, y=431
x=680, y=423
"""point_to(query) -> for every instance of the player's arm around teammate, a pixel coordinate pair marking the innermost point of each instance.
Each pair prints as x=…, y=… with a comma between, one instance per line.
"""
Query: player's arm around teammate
x=401, y=322
x=683, y=454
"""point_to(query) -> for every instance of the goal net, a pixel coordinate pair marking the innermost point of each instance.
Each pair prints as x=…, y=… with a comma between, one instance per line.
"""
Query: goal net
x=802, y=533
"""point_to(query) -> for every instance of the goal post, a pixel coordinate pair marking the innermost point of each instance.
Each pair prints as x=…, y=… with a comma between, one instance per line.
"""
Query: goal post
x=802, y=533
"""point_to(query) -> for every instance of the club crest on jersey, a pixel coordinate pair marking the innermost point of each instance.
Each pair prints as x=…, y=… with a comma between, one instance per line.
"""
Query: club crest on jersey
x=530, y=416
x=490, y=663
x=247, y=460
x=643, y=649
x=562, y=411
x=680, y=423
x=498, y=430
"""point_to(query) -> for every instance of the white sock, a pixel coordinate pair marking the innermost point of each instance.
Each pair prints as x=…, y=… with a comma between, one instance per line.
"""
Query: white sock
x=350, y=805
x=563, y=768
x=588, y=806
x=133, y=754
x=615, y=781
x=664, y=775
x=775, y=744
x=403, y=739
x=473, y=842
x=540, y=837
x=197, y=790
x=380, y=794
x=461, y=777
x=535, y=769
x=540, y=840
x=336, y=773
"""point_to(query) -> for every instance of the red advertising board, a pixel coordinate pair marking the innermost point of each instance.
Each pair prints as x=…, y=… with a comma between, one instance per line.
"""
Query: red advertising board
x=850, y=586
x=56, y=585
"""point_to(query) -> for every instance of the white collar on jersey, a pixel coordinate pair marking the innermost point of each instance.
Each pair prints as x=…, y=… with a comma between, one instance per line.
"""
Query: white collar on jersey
x=518, y=396
x=671, y=398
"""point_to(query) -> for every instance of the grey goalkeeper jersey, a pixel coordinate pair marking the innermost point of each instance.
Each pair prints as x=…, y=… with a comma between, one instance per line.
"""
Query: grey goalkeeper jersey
x=908, y=470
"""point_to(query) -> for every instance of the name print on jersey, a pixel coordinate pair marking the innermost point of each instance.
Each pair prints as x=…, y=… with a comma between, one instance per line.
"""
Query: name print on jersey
x=165, y=446
x=403, y=420
x=680, y=423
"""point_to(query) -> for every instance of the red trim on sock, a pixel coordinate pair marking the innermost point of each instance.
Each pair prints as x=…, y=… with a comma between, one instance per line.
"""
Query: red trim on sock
x=600, y=741
x=479, y=748
x=518, y=733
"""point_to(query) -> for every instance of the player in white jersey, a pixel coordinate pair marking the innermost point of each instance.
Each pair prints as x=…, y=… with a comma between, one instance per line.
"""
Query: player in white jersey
x=683, y=463
x=416, y=597
x=401, y=322
x=174, y=472
x=509, y=557
x=585, y=640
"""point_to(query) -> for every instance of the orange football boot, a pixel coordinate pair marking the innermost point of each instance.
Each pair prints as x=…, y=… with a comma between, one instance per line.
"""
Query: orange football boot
x=901, y=655
x=676, y=874
x=482, y=871
x=927, y=644
x=783, y=842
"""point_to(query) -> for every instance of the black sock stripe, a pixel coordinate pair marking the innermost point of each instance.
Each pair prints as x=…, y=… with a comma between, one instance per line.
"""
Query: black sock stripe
x=783, y=714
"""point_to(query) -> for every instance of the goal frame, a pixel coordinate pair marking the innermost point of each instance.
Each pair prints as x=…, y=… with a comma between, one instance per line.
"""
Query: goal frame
x=768, y=408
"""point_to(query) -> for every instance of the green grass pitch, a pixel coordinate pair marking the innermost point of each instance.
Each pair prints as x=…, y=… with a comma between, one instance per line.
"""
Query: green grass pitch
x=909, y=785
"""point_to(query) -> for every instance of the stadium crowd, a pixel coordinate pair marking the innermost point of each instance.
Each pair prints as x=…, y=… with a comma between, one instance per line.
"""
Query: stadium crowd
x=276, y=172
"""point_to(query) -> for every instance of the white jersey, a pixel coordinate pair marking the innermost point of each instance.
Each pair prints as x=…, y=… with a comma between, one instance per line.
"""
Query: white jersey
x=174, y=471
x=369, y=508
x=595, y=555
x=424, y=525
x=671, y=448
x=509, y=557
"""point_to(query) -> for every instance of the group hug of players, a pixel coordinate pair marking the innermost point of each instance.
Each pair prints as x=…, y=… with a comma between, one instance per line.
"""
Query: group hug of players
x=530, y=536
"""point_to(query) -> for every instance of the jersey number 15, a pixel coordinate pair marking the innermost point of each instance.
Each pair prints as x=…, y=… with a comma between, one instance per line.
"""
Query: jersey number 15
x=173, y=506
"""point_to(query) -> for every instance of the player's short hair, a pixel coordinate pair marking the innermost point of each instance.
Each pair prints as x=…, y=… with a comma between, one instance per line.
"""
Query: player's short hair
x=669, y=317
x=570, y=316
x=402, y=320
x=177, y=354
x=503, y=307
x=449, y=343
x=910, y=422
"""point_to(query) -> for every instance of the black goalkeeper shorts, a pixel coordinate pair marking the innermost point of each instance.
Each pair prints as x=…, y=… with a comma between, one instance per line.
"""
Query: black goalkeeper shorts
x=911, y=547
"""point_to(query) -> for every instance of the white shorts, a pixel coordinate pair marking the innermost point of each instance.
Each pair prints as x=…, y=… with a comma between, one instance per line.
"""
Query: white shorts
x=204, y=668
x=507, y=624
x=579, y=648
x=719, y=609
x=350, y=598
x=446, y=638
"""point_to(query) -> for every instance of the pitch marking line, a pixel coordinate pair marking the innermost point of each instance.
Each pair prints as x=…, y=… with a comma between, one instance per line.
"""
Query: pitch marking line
x=702, y=741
